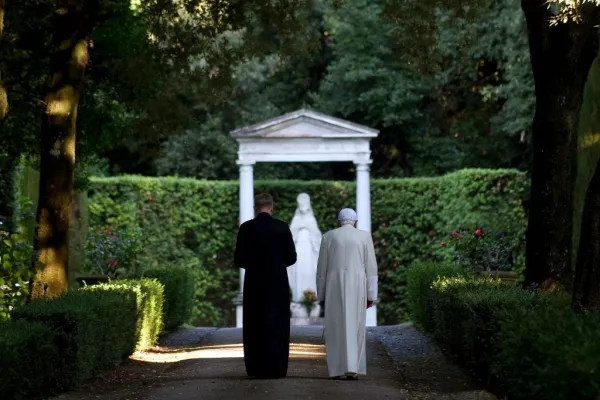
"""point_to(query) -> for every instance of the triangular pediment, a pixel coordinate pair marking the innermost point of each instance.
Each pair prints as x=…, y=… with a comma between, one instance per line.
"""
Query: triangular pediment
x=305, y=124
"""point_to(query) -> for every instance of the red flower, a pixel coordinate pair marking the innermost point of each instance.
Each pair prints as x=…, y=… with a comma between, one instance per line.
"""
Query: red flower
x=454, y=234
x=443, y=244
x=107, y=230
x=112, y=264
x=478, y=232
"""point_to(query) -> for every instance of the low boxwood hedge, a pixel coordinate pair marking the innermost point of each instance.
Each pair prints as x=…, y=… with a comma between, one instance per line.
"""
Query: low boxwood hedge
x=94, y=330
x=179, y=290
x=549, y=353
x=149, y=294
x=523, y=344
x=51, y=346
x=29, y=359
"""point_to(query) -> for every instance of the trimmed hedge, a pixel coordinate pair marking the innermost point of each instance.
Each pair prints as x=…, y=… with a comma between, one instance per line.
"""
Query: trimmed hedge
x=179, y=289
x=193, y=223
x=524, y=344
x=56, y=345
x=28, y=359
x=420, y=278
x=150, y=299
x=94, y=330
x=549, y=353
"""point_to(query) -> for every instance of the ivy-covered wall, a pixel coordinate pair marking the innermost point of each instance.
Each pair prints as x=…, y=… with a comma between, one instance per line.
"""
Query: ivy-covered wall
x=194, y=223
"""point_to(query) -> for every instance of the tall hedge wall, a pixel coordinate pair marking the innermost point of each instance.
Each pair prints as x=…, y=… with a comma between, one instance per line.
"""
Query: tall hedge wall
x=194, y=223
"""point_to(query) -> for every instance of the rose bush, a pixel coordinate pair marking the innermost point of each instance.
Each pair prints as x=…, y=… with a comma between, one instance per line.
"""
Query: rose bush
x=483, y=249
x=113, y=252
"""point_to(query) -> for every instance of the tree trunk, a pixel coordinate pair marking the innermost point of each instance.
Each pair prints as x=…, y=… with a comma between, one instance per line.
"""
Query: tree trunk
x=74, y=21
x=586, y=290
x=3, y=95
x=561, y=57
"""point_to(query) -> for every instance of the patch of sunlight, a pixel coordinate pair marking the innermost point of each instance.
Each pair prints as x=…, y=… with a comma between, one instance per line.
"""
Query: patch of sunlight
x=589, y=139
x=135, y=5
x=80, y=53
x=162, y=355
x=61, y=103
x=69, y=148
x=444, y=282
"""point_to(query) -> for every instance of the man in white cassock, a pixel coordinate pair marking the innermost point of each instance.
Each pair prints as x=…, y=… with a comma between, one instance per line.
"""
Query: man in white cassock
x=347, y=285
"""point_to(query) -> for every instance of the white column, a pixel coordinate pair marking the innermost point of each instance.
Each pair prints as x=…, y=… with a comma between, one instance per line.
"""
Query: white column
x=363, y=196
x=363, y=209
x=246, y=198
x=246, y=192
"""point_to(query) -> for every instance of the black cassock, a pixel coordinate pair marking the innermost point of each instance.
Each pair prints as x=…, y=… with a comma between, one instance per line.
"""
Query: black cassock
x=265, y=248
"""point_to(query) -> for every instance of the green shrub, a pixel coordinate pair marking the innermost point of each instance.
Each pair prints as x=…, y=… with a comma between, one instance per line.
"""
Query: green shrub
x=94, y=330
x=524, y=344
x=191, y=222
x=469, y=312
x=549, y=353
x=29, y=360
x=51, y=346
x=112, y=252
x=482, y=249
x=15, y=271
x=179, y=293
x=149, y=300
x=420, y=279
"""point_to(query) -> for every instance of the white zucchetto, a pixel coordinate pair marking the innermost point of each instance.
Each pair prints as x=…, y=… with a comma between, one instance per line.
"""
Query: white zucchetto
x=347, y=215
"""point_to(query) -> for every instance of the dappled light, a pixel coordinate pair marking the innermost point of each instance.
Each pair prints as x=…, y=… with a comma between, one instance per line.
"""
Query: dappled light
x=81, y=54
x=162, y=355
x=136, y=261
x=61, y=103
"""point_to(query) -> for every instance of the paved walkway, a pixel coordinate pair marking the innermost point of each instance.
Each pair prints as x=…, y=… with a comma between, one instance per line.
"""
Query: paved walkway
x=207, y=364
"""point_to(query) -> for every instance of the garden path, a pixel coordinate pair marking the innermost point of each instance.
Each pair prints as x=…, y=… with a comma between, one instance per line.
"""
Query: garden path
x=207, y=363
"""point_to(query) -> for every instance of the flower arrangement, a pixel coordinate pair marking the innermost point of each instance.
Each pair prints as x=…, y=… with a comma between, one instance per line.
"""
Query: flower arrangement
x=308, y=300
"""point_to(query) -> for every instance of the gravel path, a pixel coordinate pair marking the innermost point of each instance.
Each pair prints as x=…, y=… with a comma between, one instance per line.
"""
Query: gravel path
x=207, y=364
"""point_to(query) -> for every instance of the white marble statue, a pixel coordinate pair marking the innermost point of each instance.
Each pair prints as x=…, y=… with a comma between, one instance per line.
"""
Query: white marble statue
x=307, y=237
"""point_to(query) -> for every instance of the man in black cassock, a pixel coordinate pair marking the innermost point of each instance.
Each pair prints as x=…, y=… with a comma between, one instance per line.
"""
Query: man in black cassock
x=265, y=248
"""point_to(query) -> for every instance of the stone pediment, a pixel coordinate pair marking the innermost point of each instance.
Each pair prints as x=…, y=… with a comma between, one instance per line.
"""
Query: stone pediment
x=305, y=124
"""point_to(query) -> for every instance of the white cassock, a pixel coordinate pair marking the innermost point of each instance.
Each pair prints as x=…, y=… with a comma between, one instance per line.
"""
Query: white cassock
x=346, y=279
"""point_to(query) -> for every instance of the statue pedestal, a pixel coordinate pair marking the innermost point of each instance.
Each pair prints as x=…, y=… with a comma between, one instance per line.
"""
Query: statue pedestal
x=301, y=317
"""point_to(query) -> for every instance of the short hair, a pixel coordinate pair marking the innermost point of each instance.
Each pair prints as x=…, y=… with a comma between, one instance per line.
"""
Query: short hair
x=262, y=201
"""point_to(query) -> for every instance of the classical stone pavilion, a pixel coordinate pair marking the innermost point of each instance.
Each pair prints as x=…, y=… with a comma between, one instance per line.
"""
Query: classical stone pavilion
x=305, y=136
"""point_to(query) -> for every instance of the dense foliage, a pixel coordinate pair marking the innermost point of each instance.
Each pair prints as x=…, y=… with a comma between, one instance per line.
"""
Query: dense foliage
x=85, y=348
x=150, y=299
x=483, y=249
x=179, y=292
x=51, y=346
x=112, y=252
x=474, y=110
x=525, y=345
x=29, y=361
x=16, y=252
x=190, y=224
